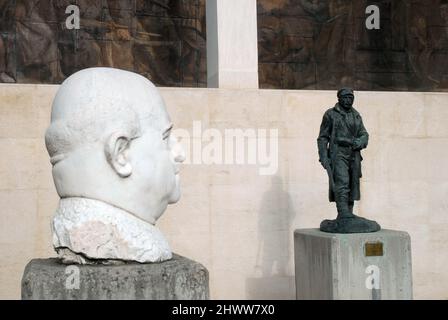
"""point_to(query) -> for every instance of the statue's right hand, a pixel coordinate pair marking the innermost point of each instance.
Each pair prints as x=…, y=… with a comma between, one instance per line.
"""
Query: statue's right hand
x=326, y=163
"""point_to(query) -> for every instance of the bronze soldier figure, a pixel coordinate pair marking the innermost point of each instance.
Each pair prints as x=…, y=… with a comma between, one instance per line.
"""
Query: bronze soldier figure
x=341, y=138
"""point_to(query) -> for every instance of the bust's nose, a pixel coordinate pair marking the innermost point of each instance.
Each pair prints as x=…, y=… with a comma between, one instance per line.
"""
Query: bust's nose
x=180, y=157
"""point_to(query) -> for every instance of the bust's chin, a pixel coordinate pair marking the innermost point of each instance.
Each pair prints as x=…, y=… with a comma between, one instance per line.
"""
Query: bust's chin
x=176, y=193
x=174, y=197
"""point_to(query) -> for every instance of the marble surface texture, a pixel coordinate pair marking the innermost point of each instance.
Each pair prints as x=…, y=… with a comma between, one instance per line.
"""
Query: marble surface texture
x=93, y=229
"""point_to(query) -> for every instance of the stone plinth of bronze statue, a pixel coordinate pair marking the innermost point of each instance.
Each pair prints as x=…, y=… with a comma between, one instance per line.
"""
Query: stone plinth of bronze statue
x=341, y=138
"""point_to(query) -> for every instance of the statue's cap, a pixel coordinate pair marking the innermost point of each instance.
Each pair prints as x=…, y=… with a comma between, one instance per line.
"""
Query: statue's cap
x=345, y=91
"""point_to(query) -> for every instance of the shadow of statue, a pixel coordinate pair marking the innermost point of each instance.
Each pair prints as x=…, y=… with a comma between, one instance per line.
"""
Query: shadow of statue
x=272, y=279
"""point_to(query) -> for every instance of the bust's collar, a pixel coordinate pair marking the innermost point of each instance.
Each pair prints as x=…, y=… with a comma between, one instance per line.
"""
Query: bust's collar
x=89, y=206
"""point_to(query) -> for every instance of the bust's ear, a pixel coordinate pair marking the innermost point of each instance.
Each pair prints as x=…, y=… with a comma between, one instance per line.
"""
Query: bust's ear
x=117, y=150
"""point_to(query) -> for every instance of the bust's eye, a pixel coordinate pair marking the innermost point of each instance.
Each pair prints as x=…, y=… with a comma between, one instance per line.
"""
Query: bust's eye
x=166, y=134
x=167, y=140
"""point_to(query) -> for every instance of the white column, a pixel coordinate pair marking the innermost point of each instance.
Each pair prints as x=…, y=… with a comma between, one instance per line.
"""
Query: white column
x=232, y=51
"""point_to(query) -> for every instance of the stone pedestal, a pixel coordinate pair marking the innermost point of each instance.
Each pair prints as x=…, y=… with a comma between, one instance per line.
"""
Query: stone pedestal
x=352, y=266
x=176, y=279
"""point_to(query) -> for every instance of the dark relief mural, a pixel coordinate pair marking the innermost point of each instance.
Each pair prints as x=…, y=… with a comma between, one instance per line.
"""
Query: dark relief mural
x=324, y=44
x=163, y=40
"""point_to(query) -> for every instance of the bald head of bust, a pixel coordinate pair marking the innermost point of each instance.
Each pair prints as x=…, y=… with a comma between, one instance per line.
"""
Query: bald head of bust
x=109, y=140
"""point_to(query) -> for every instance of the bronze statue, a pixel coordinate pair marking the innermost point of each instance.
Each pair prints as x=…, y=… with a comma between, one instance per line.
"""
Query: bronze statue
x=341, y=138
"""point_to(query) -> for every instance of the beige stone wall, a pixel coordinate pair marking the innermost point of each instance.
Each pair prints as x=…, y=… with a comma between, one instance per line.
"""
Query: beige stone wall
x=236, y=222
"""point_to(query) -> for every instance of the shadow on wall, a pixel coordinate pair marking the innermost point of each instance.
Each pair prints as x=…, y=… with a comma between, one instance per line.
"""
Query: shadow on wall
x=271, y=278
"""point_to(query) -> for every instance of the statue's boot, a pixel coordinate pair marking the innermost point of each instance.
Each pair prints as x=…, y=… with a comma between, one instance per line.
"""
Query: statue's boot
x=345, y=210
x=347, y=222
x=351, y=204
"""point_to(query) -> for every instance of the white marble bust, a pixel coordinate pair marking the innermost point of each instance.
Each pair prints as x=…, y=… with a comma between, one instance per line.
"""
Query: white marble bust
x=115, y=167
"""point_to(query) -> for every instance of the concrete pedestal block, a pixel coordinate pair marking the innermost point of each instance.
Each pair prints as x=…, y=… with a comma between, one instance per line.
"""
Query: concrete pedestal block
x=352, y=266
x=176, y=279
